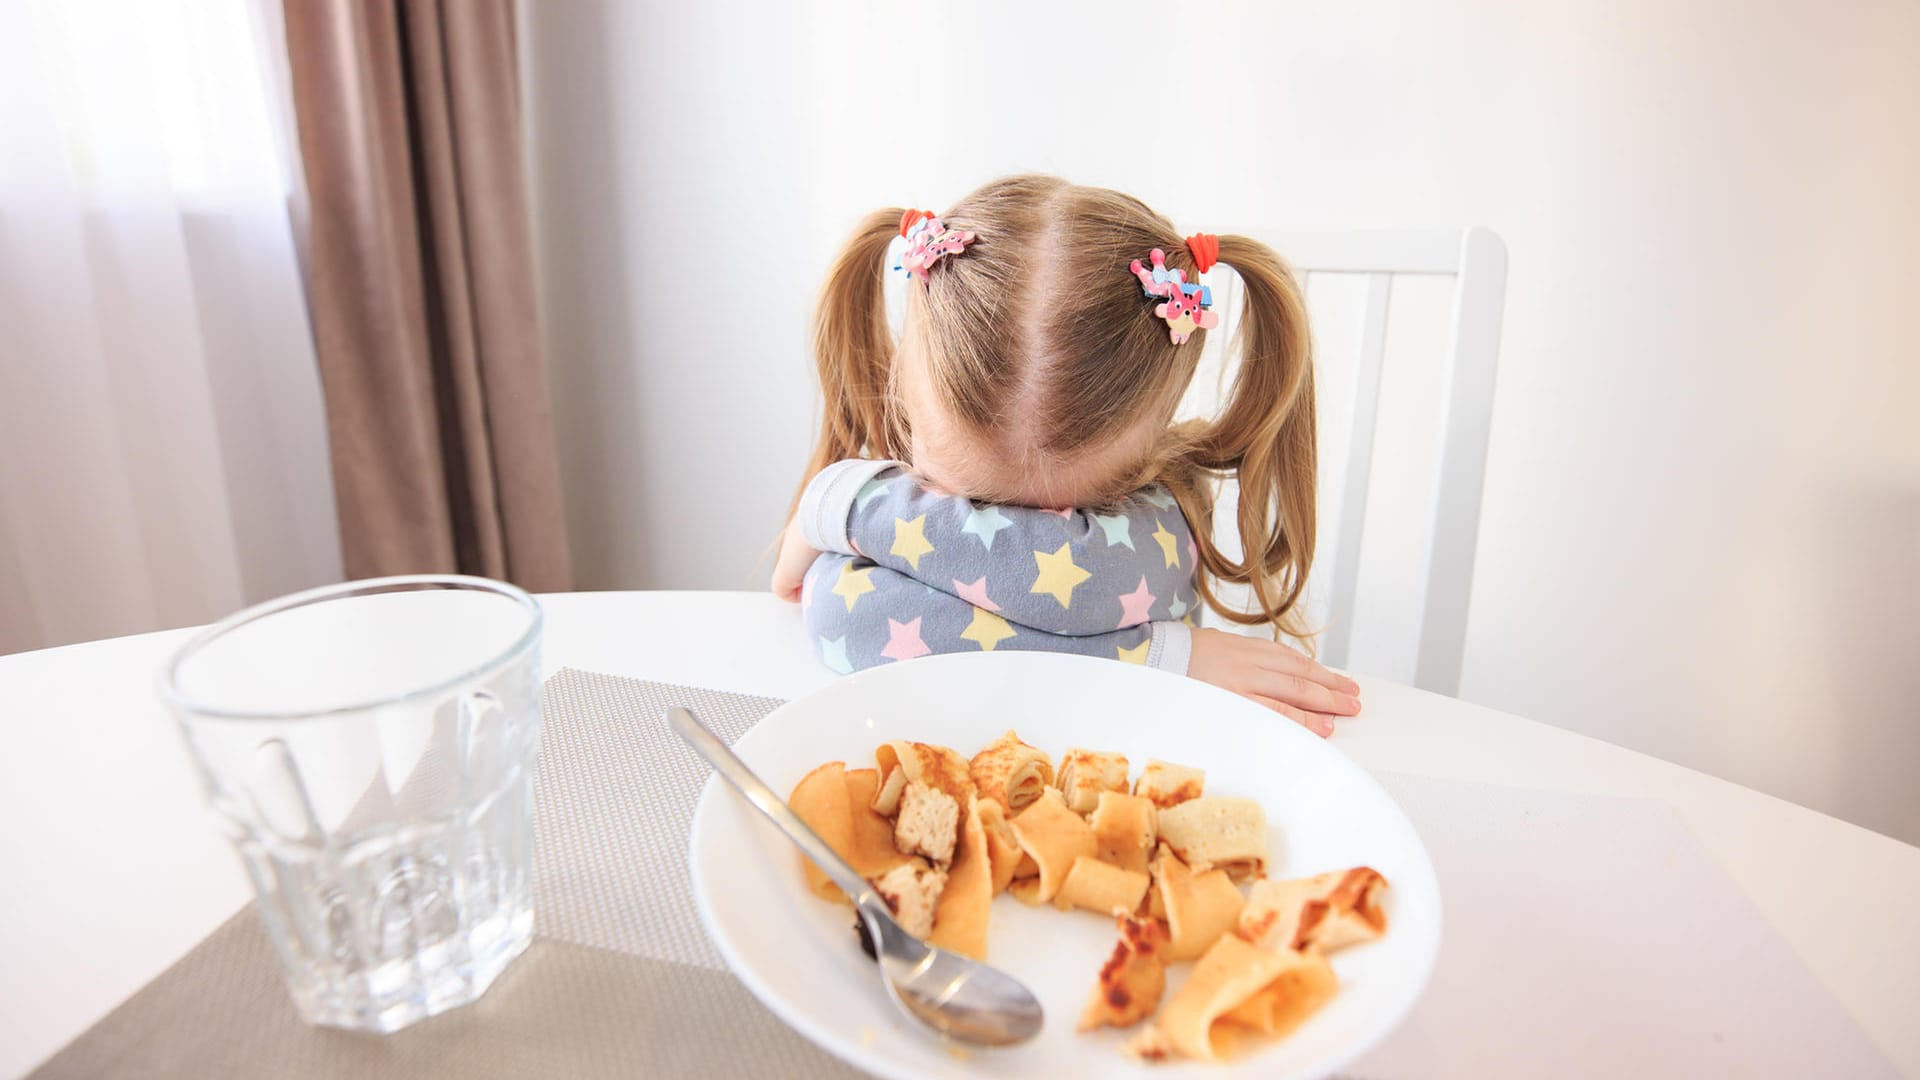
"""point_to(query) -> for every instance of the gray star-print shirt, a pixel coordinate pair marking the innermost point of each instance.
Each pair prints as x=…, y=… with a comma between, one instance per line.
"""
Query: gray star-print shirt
x=907, y=571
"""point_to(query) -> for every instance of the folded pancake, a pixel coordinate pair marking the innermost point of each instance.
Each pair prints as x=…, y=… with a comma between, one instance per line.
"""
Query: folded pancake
x=1084, y=774
x=1200, y=907
x=1011, y=772
x=928, y=823
x=1230, y=972
x=1167, y=785
x=912, y=892
x=1295, y=994
x=886, y=798
x=1326, y=911
x=1213, y=831
x=1054, y=837
x=1003, y=849
x=834, y=803
x=935, y=766
x=1123, y=826
x=1132, y=979
x=960, y=922
x=1092, y=885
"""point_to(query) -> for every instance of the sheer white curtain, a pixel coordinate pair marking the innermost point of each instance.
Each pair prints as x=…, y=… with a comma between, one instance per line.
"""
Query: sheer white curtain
x=162, y=447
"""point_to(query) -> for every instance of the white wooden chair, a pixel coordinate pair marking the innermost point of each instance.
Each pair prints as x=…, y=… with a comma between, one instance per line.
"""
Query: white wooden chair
x=1474, y=261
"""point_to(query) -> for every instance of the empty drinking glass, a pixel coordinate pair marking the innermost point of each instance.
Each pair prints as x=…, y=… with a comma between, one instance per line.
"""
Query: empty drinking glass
x=370, y=748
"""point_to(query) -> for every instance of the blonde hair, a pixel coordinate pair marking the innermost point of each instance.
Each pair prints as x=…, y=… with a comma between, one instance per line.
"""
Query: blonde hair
x=1039, y=326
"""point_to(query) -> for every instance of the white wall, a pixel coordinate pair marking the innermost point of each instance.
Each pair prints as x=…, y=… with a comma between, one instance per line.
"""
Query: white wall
x=1701, y=534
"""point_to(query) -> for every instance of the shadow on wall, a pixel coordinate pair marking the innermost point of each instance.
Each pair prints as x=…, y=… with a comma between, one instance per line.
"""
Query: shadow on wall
x=1873, y=614
x=581, y=223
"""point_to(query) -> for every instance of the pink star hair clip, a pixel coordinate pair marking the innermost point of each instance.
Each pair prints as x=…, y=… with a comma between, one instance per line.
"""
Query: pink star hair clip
x=928, y=238
x=1185, y=307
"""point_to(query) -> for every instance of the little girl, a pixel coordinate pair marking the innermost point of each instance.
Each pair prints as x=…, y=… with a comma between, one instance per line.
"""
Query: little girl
x=1051, y=331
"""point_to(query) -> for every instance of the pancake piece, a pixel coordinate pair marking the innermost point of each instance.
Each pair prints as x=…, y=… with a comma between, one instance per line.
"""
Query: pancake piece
x=1228, y=833
x=1133, y=978
x=1327, y=911
x=1053, y=836
x=886, y=798
x=1233, y=971
x=929, y=823
x=960, y=920
x=1084, y=774
x=1003, y=848
x=1166, y=785
x=1123, y=826
x=1295, y=994
x=937, y=767
x=820, y=800
x=1200, y=907
x=871, y=850
x=1010, y=772
x=912, y=891
x=1103, y=888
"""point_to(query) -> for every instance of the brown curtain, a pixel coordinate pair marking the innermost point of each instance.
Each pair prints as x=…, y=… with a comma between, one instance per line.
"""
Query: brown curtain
x=420, y=279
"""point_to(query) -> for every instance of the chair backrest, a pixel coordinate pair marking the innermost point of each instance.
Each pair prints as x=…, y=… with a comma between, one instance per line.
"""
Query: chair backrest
x=1474, y=262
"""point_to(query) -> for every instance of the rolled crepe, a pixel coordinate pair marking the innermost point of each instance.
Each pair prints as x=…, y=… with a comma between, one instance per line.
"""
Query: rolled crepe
x=1054, y=836
x=886, y=798
x=960, y=922
x=1200, y=907
x=935, y=766
x=1230, y=973
x=834, y=803
x=1011, y=772
x=1326, y=911
x=1227, y=833
x=1003, y=849
x=1132, y=979
x=1124, y=828
x=1295, y=994
x=1167, y=785
x=1101, y=887
x=1084, y=774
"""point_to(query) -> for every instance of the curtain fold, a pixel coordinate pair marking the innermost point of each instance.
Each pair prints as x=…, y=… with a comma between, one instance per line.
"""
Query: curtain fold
x=420, y=281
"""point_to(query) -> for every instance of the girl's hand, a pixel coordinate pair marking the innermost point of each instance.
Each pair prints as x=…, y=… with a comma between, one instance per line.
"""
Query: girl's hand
x=790, y=569
x=1271, y=674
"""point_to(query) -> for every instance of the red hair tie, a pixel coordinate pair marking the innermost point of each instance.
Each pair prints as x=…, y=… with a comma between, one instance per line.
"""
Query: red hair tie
x=1206, y=251
x=908, y=218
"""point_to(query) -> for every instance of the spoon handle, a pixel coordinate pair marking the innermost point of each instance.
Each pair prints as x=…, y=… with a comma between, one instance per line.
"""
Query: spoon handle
x=727, y=764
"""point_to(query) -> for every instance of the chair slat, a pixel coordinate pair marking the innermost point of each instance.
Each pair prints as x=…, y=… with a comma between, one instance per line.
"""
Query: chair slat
x=1366, y=407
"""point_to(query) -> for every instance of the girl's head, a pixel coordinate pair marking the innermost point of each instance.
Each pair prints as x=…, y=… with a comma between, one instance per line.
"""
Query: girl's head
x=1032, y=369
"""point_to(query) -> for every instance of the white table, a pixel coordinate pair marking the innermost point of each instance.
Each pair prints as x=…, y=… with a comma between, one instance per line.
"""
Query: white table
x=110, y=869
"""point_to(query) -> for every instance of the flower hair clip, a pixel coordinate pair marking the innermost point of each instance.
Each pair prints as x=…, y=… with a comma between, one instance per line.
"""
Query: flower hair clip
x=928, y=238
x=1185, y=306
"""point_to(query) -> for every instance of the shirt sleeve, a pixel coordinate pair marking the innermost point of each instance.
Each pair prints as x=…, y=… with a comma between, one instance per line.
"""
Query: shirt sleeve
x=1068, y=572
x=860, y=615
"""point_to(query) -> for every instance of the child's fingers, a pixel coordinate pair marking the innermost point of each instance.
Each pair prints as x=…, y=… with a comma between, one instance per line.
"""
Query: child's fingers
x=1317, y=723
x=1295, y=688
x=1280, y=657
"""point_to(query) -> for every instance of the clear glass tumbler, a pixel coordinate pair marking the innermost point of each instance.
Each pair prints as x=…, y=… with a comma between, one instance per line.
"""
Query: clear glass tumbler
x=370, y=748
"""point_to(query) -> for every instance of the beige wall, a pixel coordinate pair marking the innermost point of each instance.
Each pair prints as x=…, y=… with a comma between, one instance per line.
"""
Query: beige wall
x=1702, y=518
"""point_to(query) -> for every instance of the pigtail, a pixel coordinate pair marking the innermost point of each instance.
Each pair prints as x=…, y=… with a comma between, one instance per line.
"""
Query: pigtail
x=1265, y=438
x=853, y=353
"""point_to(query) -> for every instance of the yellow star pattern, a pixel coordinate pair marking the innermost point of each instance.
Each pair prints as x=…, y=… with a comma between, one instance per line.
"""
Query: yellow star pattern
x=987, y=629
x=1137, y=654
x=1168, y=544
x=910, y=540
x=853, y=584
x=1058, y=574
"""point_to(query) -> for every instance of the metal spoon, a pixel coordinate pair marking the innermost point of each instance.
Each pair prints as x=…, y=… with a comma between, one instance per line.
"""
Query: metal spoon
x=958, y=998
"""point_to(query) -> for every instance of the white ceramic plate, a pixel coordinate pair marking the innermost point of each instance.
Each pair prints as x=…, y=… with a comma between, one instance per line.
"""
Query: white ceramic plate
x=797, y=952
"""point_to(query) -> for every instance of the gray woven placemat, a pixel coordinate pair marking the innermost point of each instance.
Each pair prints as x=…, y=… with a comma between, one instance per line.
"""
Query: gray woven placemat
x=621, y=979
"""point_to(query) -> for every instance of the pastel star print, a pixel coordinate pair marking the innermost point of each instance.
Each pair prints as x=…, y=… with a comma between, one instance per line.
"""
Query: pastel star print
x=1137, y=654
x=987, y=630
x=910, y=540
x=985, y=523
x=1169, y=544
x=975, y=593
x=833, y=653
x=853, y=584
x=1177, y=608
x=903, y=641
x=1115, y=526
x=1136, y=607
x=1059, y=576
x=870, y=491
x=1158, y=497
x=1193, y=554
